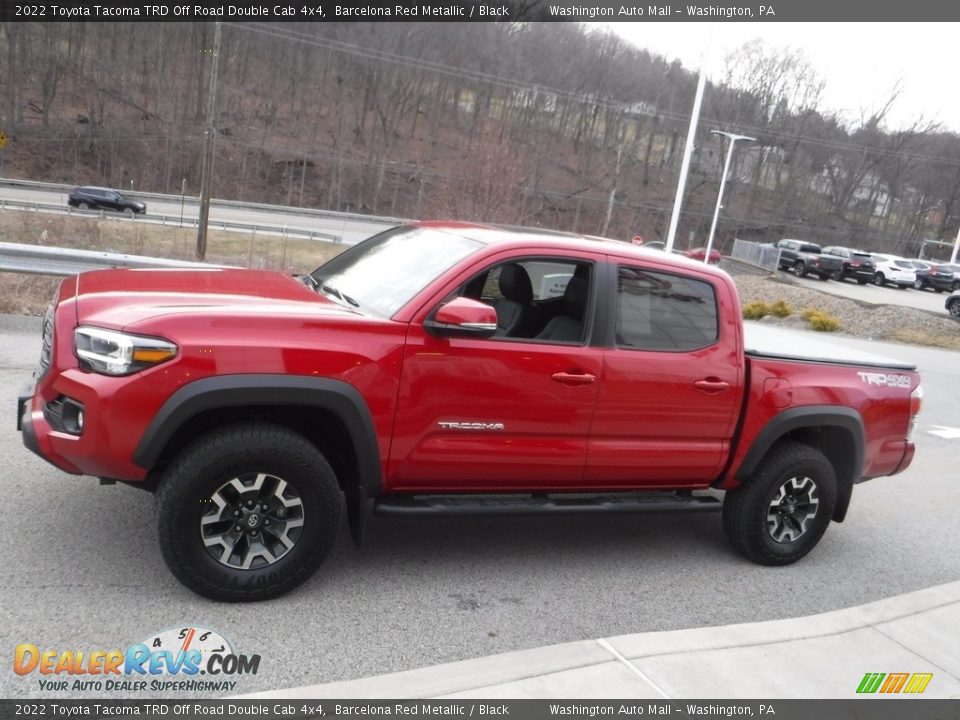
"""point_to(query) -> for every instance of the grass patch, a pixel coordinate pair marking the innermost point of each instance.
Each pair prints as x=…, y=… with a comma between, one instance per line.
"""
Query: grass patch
x=924, y=337
x=820, y=320
x=758, y=309
x=30, y=294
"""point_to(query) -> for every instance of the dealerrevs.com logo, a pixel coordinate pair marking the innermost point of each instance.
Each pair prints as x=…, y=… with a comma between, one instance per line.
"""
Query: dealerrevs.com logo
x=188, y=659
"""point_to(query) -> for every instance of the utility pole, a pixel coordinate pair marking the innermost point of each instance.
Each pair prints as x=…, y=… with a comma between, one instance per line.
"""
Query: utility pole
x=210, y=135
x=723, y=182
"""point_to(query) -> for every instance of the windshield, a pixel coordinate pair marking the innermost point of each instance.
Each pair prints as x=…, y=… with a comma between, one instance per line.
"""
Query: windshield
x=381, y=274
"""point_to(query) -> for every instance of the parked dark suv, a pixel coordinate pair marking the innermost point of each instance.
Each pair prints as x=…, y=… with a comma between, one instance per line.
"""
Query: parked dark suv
x=98, y=198
x=857, y=264
x=937, y=277
x=801, y=257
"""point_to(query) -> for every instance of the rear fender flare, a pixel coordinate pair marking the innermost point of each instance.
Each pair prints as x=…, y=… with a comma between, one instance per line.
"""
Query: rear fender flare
x=812, y=416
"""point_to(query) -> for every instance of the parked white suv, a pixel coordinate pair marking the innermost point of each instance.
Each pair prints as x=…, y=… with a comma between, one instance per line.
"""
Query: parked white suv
x=894, y=270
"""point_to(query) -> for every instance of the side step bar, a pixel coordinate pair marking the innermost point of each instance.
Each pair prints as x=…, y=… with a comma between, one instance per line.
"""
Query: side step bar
x=556, y=504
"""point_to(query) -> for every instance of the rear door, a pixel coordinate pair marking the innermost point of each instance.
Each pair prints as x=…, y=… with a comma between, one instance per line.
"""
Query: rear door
x=672, y=381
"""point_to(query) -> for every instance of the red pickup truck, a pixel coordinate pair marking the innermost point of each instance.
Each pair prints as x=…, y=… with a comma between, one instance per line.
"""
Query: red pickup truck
x=450, y=369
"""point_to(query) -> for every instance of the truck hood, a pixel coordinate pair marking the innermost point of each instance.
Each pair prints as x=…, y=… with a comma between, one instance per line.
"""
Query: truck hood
x=119, y=298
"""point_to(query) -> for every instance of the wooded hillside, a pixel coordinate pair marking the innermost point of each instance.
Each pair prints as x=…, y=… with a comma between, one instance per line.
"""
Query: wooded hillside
x=539, y=124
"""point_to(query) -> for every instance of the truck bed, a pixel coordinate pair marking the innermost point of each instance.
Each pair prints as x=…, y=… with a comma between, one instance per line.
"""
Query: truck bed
x=762, y=341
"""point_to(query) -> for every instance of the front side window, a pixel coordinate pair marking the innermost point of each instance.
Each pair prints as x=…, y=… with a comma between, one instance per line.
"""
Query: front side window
x=662, y=311
x=538, y=299
x=383, y=273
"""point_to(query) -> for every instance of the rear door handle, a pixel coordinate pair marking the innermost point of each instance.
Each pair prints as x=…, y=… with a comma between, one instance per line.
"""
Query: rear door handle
x=574, y=378
x=711, y=386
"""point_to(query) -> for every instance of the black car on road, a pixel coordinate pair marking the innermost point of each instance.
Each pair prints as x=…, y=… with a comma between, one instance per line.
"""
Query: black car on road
x=98, y=198
x=857, y=264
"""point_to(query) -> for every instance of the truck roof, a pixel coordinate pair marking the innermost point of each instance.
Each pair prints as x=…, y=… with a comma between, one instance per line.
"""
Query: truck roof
x=512, y=235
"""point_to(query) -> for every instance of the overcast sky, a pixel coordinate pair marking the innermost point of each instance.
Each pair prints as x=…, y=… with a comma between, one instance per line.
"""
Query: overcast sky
x=861, y=62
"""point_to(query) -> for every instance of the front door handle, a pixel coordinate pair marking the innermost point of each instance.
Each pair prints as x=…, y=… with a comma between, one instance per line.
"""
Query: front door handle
x=574, y=378
x=712, y=386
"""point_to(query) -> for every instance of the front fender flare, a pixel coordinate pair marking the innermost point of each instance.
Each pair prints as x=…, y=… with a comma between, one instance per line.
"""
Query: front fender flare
x=227, y=391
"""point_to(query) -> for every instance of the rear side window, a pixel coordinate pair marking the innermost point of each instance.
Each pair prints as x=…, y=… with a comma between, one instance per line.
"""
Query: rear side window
x=662, y=311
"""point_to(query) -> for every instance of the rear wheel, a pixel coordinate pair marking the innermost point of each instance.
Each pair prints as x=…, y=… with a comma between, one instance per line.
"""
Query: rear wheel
x=918, y=285
x=248, y=512
x=83, y=206
x=799, y=269
x=862, y=281
x=782, y=511
x=837, y=275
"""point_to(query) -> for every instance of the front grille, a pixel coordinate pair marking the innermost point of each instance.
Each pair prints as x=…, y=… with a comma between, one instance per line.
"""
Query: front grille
x=46, y=343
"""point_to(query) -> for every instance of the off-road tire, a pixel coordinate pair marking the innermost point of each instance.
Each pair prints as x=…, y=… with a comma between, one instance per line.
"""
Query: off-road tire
x=216, y=458
x=746, y=509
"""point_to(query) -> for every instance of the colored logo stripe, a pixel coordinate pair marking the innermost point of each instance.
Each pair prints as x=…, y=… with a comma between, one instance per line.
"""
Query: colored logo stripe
x=894, y=683
x=918, y=683
x=870, y=682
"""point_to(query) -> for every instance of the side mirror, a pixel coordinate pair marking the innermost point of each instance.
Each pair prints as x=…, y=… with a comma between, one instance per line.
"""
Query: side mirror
x=463, y=317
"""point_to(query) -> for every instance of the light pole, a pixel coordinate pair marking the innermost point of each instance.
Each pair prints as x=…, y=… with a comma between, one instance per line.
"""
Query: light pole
x=732, y=137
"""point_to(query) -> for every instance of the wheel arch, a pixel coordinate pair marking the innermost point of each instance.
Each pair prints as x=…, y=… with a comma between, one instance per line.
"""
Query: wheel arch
x=837, y=432
x=330, y=413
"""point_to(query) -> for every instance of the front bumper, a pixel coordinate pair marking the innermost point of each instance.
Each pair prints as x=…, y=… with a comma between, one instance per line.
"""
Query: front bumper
x=24, y=421
x=116, y=411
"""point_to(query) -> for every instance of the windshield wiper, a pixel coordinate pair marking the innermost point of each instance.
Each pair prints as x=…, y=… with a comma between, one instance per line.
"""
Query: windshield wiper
x=308, y=280
x=330, y=290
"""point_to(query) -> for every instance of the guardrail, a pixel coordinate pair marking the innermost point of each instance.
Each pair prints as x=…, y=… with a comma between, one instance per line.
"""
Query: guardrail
x=758, y=254
x=174, y=221
x=288, y=210
x=39, y=260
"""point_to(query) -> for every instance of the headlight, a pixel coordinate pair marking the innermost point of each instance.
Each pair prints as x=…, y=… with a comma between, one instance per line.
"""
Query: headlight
x=116, y=353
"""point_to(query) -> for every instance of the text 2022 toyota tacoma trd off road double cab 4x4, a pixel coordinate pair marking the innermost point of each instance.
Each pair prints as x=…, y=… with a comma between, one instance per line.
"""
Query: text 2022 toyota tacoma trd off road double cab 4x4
x=443, y=368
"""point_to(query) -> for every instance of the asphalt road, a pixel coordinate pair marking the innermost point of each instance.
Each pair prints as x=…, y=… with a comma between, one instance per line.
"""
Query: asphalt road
x=81, y=569
x=349, y=230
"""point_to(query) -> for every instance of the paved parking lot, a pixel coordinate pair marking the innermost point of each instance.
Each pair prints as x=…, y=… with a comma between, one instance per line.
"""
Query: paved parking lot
x=888, y=295
x=81, y=568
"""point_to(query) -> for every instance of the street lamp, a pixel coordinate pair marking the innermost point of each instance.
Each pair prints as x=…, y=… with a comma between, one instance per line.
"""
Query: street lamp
x=723, y=182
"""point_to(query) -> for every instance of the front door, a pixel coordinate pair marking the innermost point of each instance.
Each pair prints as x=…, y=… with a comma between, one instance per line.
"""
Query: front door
x=507, y=412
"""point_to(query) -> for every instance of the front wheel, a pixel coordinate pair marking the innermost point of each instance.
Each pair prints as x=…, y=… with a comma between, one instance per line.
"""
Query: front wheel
x=879, y=279
x=779, y=514
x=954, y=309
x=247, y=512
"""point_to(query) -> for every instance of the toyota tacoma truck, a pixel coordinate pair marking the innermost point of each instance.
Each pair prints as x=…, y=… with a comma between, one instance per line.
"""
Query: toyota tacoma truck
x=442, y=369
